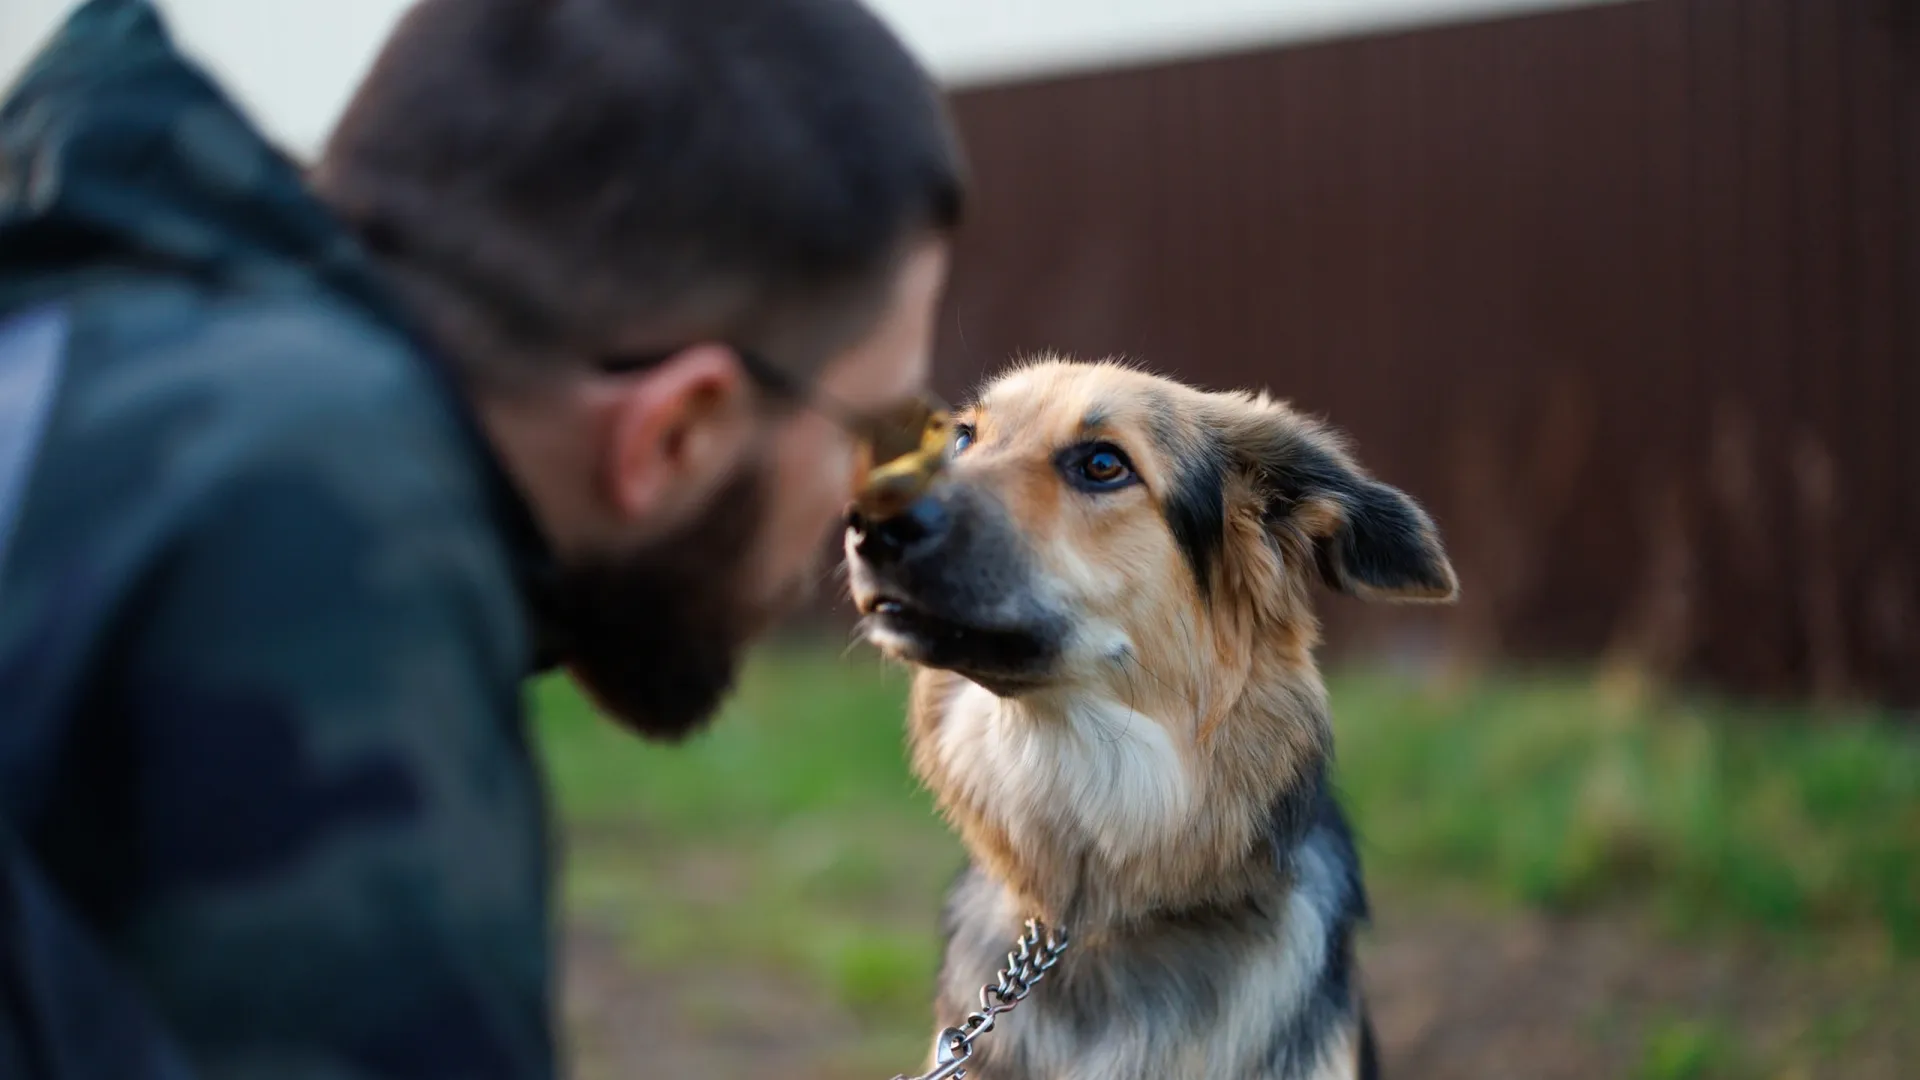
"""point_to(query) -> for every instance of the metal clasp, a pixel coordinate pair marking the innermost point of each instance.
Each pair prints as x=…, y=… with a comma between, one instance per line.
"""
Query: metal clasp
x=950, y=1053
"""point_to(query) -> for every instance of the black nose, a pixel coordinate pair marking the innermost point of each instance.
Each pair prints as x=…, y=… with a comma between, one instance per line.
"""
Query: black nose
x=918, y=528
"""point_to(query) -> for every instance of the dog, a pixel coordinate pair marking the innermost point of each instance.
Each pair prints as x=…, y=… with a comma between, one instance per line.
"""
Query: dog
x=1107, y=604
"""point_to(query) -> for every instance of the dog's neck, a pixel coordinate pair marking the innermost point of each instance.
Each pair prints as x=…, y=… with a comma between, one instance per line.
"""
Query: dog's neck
x=1100, y=816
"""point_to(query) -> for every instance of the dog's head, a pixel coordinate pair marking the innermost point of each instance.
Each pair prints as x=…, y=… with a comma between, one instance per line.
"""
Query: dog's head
x=1108, y=530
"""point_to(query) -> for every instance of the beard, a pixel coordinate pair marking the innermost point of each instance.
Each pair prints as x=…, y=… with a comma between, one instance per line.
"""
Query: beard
x=655, y=637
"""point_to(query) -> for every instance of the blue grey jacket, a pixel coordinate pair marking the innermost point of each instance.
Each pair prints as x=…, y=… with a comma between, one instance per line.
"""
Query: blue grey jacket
x=267, y=805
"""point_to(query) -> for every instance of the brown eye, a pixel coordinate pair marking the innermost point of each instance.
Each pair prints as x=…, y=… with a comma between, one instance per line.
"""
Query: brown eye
x=1097, y=468
x=1104, y=467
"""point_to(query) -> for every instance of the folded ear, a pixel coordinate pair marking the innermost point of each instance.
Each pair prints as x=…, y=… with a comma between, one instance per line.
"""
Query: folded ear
x=1369, y=540
x=1385, y=547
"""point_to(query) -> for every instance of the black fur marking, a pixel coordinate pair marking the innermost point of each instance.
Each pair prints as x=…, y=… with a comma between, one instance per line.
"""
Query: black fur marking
x=1328, y=816
x=951, y=597
x=1093, y=997
x=1387, y=542
x=1369, y=1051
x=1195, y=499
x=1298, y=1046
x=1298, y=811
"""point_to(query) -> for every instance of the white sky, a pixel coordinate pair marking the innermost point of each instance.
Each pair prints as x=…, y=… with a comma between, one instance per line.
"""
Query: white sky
x=293, y=62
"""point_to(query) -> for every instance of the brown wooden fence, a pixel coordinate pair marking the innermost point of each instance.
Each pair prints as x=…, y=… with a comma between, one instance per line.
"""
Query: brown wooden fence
x=1626, y=295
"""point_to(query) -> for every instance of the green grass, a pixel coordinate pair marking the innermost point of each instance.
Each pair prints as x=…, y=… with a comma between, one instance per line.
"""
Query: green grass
x=1548, y=792
x=790, y=837
x=1687, y=1050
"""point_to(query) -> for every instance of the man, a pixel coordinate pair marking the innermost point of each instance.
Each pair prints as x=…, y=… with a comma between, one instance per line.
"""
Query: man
x=574, y=358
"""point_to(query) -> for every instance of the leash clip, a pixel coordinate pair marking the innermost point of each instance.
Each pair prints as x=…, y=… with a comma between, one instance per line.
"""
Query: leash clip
x=950, y=1055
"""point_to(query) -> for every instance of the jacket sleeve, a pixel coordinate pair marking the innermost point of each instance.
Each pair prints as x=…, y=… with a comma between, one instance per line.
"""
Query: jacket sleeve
x=339, y=804
x=334, y=820
x=65, y=1010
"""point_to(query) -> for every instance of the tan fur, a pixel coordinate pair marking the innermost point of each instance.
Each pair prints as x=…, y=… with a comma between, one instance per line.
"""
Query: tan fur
x=1246, y=706
x=1219, y=675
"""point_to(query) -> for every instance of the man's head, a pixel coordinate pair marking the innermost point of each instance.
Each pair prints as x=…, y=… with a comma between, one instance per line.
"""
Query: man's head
x=681, y=251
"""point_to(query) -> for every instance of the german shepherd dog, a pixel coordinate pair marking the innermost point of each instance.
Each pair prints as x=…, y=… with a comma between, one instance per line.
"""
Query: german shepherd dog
x=1107, y=604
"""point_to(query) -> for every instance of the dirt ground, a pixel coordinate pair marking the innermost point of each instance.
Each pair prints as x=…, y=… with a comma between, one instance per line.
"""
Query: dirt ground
x=1456, y=995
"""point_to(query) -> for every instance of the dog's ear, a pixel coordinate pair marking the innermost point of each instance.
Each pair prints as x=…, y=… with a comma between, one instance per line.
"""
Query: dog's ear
x=1367, y=539
x=1385, y=547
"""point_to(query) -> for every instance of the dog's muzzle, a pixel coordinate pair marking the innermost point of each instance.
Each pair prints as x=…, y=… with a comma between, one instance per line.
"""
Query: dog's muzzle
x=945, y=583
x=911, y=534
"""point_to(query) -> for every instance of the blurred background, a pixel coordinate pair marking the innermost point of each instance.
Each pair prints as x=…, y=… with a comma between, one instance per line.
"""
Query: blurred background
x=1627, y=293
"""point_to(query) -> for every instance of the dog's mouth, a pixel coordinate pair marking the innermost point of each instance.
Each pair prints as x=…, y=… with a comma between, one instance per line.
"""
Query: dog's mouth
x=1005, y=659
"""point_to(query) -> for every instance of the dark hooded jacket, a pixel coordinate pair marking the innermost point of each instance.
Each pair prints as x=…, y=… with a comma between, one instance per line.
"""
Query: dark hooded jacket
x=267, y=806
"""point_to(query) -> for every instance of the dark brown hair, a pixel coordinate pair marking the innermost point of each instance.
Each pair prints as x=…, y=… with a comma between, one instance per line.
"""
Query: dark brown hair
x=547, y=174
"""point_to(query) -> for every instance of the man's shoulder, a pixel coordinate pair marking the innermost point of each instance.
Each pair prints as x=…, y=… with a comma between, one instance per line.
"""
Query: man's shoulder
x=168, y=394
x=250, y=372
x=243, y=491
x=186, y=421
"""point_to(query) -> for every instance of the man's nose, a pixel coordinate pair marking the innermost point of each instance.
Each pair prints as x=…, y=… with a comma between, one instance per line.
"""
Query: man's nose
x=911, y=532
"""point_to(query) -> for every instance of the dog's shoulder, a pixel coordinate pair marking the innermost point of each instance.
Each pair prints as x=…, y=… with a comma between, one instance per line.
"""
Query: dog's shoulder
x=1313, y=844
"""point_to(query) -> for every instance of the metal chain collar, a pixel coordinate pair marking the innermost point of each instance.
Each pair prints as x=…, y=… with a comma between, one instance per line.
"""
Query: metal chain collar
x=1027, y=964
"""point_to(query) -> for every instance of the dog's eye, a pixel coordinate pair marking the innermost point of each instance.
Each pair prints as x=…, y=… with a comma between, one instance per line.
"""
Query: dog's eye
x=962, y=437
x=1104, y=467
x=1100, y=467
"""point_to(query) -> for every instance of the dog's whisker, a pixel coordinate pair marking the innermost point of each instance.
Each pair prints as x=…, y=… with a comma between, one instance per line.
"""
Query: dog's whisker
x=1195, y=676
x=836, y=574
x=1100, y=724
x=856, y=636
x=1133, y=660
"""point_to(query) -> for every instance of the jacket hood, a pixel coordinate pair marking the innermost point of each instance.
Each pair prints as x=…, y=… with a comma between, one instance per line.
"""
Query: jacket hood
x=119, y=153
x=115, y=147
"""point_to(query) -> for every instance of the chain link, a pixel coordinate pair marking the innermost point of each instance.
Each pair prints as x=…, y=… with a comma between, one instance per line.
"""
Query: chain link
x=1033, y=955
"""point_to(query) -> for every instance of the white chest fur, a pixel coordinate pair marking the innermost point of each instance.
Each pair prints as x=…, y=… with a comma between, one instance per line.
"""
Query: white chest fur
x=1090, y=768
x=1235, y=999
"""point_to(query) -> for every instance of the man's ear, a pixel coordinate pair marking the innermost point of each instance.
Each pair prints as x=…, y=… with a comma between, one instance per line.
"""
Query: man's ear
x=1368, y=539
x=677, y=430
